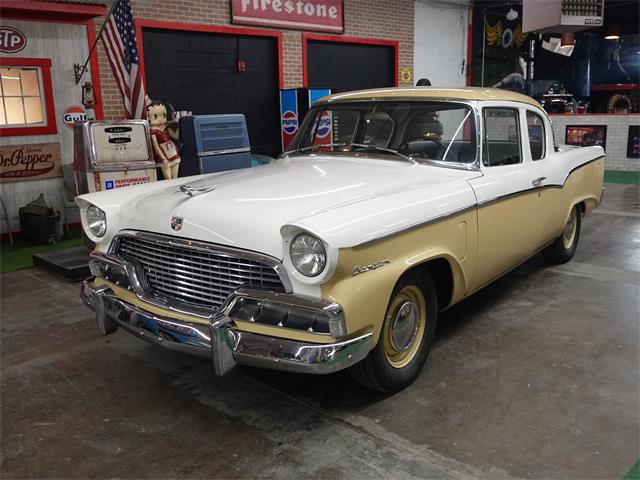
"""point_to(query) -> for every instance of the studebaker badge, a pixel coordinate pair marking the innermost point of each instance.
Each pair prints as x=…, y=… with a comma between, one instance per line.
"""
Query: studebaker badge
x=372, y=266
x=447, y=189
x=176, y=223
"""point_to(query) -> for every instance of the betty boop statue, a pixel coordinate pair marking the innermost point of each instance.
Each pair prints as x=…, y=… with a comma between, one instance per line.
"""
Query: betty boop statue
x=162, y=131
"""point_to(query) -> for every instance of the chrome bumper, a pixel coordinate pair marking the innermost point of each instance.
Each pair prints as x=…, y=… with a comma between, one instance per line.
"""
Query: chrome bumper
x=220, y=340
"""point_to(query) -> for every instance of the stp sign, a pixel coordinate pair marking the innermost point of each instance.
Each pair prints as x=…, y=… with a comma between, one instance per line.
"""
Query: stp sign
x=74, y=114
x=12, y=40
x=289, y=122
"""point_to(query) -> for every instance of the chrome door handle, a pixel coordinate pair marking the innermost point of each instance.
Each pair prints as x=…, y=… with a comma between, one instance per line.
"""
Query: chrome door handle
x=538, y=181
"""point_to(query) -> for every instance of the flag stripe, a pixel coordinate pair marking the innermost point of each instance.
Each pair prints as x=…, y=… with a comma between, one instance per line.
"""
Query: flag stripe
x=120, y=44
x=117, y=57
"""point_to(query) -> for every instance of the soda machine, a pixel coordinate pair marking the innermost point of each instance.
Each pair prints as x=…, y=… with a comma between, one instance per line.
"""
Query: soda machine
x=294, y=105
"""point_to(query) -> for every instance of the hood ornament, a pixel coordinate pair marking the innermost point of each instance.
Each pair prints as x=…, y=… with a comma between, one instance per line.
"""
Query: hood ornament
x=192, y=191
x=176, y=223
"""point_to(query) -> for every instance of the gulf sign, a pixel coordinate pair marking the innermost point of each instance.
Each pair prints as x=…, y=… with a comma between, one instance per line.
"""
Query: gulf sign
x=12, y=40
x=288, y=116
x=318, y=15
x=74, y=114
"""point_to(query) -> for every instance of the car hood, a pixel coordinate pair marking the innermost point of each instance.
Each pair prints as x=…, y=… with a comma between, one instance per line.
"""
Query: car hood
x=333, y=197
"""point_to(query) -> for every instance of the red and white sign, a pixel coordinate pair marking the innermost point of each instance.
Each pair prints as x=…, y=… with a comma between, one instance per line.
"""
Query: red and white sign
x=73, y=114
x=101, y=181
x=319, y=15
x=12, y=40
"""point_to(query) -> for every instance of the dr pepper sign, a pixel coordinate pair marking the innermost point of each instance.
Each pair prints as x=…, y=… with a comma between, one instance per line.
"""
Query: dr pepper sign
x=319, y=15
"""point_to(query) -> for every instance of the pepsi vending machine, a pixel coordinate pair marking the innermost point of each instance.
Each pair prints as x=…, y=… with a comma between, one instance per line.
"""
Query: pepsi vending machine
x=294, y=105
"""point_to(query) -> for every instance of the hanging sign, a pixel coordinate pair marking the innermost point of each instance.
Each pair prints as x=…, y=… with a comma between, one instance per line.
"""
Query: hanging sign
x=505, y=37
x=319, y=15
x=73, y=114
x=29, y=162
x=12, y=40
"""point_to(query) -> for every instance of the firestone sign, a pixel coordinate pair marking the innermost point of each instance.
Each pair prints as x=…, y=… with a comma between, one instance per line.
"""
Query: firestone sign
x=319, y=15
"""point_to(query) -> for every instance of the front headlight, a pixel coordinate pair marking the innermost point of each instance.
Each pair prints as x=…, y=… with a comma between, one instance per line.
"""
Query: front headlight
x=308, y=255
x=96, y=221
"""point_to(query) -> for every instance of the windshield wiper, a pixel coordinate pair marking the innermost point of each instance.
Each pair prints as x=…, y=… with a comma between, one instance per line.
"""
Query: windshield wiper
x=382, y=149
x=316, y=145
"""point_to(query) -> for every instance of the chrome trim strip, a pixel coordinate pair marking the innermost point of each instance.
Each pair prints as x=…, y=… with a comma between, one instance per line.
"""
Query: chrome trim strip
x=471, y=207
x=224, y=151
x=416, y=225
x=536, y=188
x=223, y=343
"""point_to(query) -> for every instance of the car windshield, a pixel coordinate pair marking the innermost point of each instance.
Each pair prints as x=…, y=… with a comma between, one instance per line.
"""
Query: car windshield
x=420, y=131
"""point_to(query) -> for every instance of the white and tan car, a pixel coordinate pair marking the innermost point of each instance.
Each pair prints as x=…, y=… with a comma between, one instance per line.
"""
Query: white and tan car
x=390, y=206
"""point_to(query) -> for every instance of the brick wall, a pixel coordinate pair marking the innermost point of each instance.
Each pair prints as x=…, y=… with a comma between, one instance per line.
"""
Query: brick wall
x=617, y=134
x=380, y=19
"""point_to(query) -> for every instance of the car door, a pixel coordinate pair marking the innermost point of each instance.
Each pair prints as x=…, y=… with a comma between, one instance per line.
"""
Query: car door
x=507, y=193
x=539, y=145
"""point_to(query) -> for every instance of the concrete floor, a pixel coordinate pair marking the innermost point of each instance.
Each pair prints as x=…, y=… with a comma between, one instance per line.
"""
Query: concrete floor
x=537, y=376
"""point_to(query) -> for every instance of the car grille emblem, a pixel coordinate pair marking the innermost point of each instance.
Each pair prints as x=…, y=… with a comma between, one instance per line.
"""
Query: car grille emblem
x=176, y=223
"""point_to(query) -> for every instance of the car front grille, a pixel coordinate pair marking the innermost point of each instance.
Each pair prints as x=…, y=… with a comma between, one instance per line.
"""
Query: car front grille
x=201, y=276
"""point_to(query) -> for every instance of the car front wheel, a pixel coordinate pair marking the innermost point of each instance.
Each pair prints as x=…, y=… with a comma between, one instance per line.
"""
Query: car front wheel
x=564, y=247
x=405, y=337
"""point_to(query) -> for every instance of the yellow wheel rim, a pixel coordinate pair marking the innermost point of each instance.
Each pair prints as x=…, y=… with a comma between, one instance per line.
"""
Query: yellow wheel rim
x=569, y=233
x=404, y=326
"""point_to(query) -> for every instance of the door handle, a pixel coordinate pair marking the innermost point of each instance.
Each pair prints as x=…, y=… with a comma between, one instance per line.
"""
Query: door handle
x=537, y=181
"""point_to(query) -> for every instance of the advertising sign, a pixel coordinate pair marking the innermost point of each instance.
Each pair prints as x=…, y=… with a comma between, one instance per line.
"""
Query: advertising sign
x=633, y=142
x=73, y=114
x=288, y=116
x=12, y=40
x=120, y=179
x=318, y=15
x=29, y=162
x=586, y=135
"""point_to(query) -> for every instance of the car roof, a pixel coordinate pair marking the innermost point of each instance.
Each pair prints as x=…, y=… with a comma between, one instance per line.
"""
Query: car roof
x=434, y=93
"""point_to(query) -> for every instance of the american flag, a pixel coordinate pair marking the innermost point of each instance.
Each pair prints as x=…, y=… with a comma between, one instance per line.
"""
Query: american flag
x=119, y=40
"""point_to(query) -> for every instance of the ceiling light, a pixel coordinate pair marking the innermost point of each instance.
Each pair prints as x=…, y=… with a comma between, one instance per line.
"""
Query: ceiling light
x=612, y=32
x=512, y=15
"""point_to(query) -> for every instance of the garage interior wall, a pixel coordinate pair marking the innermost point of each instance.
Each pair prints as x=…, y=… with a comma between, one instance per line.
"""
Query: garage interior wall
x=379, y=19
x=440, y=42
x=62, y=43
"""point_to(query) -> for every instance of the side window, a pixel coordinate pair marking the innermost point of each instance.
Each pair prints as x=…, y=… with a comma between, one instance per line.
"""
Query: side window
x=535, y=126
x=501, y=137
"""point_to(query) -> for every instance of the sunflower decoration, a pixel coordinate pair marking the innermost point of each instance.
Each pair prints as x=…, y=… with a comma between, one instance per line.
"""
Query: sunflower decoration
x=505, y=37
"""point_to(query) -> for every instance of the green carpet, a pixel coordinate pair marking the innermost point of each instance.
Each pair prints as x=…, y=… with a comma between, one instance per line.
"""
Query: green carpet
x=616, y=176
x=634, y=472
x=20, y=256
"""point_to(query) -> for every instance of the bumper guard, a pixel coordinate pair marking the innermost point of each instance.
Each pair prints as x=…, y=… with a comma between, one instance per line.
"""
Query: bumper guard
x=220, y=340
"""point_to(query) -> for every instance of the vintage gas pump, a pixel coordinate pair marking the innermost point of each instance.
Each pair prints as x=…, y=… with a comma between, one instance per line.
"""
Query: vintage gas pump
x=294, y=105
x=112, y=154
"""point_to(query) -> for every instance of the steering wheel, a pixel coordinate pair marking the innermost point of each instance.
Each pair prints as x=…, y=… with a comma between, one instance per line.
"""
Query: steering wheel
x=405, y=146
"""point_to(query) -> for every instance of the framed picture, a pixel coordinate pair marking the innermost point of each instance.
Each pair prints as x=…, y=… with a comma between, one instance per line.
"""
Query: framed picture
x=586, y=135
x=633, y=142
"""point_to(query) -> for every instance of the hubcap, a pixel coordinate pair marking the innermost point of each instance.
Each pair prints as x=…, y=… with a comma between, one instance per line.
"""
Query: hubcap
x=405, y=326
x=570, y=229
